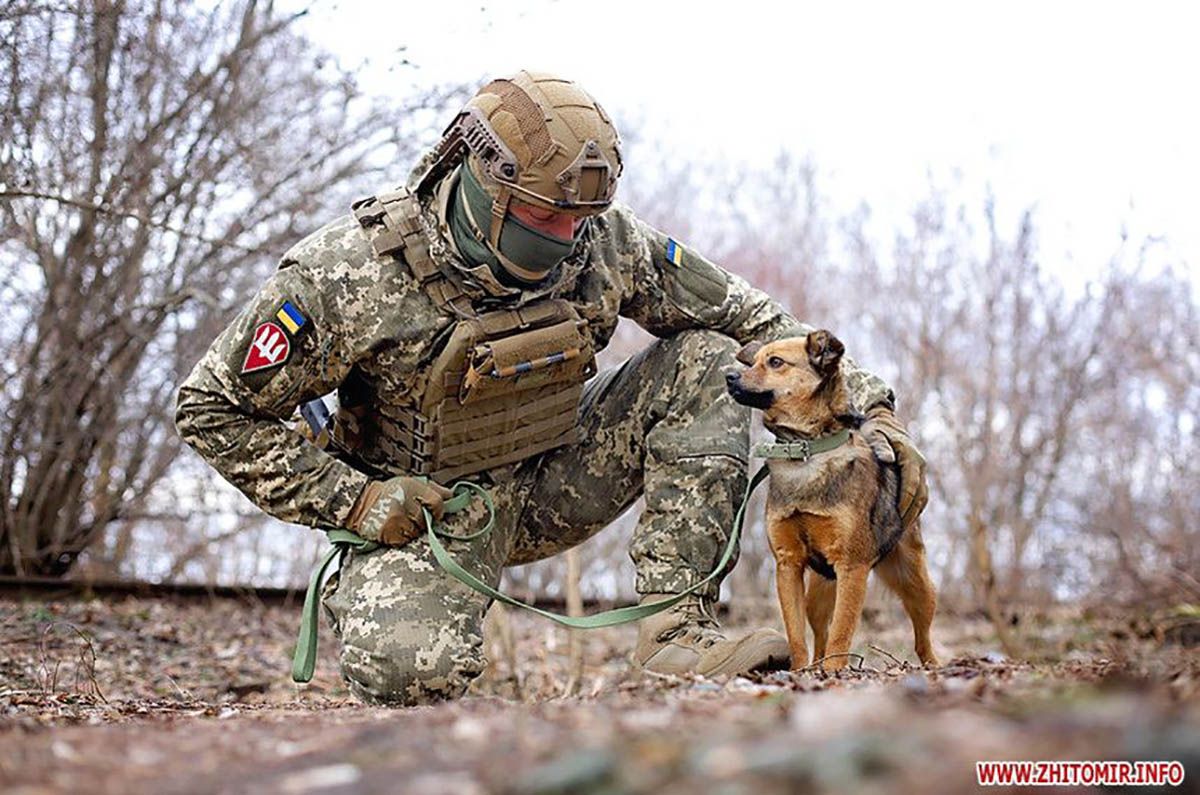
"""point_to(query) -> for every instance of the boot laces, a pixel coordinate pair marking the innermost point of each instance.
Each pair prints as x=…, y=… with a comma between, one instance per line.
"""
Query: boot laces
x=697, y=623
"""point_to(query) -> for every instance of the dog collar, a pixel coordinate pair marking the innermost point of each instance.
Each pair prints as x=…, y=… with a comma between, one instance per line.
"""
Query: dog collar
x=804, y=449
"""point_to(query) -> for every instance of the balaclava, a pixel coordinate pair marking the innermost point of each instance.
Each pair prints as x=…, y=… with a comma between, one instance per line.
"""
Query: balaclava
x=529, y=248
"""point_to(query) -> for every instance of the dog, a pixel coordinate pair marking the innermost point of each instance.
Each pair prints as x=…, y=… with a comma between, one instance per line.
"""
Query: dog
x=834, y=512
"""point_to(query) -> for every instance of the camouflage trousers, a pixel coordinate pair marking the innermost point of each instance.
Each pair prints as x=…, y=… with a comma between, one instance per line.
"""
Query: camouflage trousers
x=660, y=425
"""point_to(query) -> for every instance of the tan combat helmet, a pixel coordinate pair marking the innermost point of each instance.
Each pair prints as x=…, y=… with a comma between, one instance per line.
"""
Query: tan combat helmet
x=537, y=137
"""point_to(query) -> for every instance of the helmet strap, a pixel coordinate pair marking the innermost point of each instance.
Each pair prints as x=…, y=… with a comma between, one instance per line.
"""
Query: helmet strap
x=499, y=212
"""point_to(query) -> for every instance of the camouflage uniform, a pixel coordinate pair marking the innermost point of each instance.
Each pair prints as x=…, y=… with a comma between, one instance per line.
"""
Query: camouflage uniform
x=661, y=426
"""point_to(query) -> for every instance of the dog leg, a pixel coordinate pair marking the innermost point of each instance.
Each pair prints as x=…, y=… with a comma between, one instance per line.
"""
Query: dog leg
x=820, y=597
x=906, y=573
x=791, y=555
x=851, y=593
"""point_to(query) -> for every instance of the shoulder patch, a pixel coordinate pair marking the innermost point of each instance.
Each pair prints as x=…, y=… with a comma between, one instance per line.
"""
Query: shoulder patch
x=290, y=317
x=269, y=347
x=695, y=285
x=674, y=253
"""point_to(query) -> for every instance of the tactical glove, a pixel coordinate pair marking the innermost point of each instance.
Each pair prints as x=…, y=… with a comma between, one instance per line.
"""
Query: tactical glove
x=389, y=511
x=890, y=442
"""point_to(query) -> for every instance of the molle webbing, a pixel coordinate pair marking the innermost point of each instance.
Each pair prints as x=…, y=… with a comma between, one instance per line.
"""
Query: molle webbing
x=392, y=220
x=505, y=386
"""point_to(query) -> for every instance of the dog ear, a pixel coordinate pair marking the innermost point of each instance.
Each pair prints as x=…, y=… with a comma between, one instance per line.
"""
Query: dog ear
x=824, y=352
x=746, y=355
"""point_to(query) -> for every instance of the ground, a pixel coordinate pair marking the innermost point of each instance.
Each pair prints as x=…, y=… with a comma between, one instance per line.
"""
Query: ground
x=193, y=695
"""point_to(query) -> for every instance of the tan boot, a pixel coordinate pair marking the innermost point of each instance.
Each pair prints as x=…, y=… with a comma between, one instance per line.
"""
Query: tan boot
x=687, y=639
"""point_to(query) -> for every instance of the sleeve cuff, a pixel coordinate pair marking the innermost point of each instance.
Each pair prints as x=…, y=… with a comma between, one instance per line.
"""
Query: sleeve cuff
x=350, y=485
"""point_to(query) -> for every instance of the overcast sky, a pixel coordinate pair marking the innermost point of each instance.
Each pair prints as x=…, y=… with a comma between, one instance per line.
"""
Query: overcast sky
x=1087, y=111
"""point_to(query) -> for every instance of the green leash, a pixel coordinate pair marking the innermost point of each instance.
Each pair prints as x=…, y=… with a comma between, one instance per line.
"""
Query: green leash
x=305, y=658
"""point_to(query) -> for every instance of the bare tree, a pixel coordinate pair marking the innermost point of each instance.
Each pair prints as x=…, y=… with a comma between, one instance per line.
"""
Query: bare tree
x=1019, y=388
x=1133, y=497
x=154, y=158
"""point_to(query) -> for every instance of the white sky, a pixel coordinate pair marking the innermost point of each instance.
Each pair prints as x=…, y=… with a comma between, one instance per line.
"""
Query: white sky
x=1087, y=111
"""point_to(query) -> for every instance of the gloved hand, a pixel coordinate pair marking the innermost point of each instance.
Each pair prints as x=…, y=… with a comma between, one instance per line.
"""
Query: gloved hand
x=890, y=442
x=389, y=511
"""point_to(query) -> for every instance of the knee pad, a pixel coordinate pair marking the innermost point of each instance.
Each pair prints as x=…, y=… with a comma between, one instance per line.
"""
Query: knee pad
x=409, y=675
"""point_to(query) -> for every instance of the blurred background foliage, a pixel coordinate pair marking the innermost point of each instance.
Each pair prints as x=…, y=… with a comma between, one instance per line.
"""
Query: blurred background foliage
x=157, y=158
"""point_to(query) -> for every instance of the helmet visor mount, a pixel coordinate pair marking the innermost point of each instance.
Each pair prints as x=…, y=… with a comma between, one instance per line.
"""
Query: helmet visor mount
x=589, y=175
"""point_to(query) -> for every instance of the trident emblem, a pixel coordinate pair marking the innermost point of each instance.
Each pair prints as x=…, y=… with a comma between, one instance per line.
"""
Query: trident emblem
x=269, y=347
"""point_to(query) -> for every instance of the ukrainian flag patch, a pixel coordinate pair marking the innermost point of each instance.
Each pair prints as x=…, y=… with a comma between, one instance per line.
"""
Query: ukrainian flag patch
x=674, y=253
x=290, y=317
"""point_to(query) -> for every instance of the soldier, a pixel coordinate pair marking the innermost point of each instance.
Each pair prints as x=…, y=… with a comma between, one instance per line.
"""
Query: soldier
x=458, y=319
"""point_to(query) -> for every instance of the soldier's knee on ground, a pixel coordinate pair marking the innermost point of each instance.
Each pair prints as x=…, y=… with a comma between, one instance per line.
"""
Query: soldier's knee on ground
x=415, y=673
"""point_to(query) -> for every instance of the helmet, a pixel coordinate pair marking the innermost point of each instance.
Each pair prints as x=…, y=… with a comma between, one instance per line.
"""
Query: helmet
x=537, y=138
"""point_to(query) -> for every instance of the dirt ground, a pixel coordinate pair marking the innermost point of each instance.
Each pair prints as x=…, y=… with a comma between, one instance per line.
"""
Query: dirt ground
x=193, y=695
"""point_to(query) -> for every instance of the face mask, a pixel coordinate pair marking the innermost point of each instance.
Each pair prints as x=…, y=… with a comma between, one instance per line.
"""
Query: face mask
x=527, y=247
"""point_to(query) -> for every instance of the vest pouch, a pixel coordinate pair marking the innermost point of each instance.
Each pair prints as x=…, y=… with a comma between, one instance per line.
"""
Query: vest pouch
x=560, y=353
x=506, y=386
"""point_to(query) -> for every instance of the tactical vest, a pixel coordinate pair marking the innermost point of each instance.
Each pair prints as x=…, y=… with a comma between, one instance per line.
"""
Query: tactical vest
x=508, y=382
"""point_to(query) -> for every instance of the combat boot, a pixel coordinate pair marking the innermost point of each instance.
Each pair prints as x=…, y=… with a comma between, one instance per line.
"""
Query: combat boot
x=687, y=639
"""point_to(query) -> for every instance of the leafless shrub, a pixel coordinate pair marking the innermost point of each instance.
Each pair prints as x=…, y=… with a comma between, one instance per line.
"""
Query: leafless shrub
x=83, y=667
x=154, y=159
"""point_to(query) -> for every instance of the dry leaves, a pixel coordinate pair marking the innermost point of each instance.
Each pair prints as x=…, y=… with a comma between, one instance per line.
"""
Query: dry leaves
x=194, y=696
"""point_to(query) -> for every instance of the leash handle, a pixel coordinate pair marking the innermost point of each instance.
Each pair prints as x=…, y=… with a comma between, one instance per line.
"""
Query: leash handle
x=462, y=498
x=305, y=657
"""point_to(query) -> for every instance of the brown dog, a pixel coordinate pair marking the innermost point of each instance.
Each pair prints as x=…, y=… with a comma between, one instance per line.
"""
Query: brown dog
x=834, y=512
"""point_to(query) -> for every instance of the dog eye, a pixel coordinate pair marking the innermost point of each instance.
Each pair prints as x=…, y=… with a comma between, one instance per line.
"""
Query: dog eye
x=775, y=362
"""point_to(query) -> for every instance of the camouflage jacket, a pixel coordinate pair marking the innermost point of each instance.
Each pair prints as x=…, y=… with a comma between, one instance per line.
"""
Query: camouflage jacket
x=361, y=324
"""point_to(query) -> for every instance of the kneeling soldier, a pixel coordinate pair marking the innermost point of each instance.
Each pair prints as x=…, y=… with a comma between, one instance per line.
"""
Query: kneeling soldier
x=458, y=320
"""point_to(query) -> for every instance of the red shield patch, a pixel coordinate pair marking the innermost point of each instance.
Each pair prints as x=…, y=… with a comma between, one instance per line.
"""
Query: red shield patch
x=269, y=347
